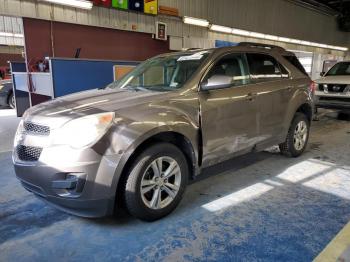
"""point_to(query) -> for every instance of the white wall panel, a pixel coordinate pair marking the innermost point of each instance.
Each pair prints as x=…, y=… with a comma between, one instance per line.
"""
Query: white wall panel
x=11, y=25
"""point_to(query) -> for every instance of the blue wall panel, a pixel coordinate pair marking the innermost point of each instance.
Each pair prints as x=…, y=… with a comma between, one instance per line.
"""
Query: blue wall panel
x=71, y=76
x=220, y=43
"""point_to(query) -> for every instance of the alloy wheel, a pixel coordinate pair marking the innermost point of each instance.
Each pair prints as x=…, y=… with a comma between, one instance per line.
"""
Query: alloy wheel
x=160, y=183
x=300, y=135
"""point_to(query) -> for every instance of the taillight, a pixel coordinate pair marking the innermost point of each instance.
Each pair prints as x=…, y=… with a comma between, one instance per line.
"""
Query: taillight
x=312, y=87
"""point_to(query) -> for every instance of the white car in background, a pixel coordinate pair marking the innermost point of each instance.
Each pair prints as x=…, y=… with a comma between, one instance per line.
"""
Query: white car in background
x=333, y=89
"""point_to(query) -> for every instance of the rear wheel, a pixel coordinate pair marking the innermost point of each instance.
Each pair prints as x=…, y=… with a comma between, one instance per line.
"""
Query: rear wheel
x=298, y=136
x=11, y=101
x=156, y=182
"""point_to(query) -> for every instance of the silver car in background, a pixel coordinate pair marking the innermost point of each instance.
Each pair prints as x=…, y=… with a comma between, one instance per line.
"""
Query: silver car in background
x=333, y=89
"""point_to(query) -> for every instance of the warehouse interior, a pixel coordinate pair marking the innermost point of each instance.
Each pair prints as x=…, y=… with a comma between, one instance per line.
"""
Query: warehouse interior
x=72, y=69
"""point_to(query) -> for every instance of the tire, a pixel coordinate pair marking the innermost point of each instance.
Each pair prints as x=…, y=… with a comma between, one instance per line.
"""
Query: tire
x=143, y=175
x=11, y=101
x=291, y=147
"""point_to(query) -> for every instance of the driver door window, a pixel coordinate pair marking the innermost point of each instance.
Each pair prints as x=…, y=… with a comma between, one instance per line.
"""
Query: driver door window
x=229, y=71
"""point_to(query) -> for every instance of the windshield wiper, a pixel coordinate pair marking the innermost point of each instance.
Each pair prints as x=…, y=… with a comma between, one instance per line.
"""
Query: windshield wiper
x=135, y=88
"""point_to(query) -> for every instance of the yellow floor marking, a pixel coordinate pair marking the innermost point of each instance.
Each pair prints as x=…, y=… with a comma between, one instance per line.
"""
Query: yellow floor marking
x=336, y=247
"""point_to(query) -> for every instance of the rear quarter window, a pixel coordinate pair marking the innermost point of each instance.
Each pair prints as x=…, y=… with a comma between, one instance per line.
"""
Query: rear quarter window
x=264, y=67
x=295, y=62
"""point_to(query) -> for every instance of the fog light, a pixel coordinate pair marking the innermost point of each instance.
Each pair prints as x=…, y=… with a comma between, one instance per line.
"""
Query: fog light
x=73, y=182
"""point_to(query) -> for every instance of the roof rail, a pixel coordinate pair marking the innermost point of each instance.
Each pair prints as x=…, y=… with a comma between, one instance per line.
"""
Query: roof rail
x=259, y=45
x=193, y=48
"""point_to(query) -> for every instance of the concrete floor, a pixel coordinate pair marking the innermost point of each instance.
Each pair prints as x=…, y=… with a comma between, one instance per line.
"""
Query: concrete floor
x=261, y=207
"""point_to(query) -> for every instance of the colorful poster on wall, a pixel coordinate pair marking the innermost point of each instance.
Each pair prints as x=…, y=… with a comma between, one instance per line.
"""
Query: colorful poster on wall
x=105, y=3
x=151, y=7
x=121, y=4
x=121, y=70
x=136, y=5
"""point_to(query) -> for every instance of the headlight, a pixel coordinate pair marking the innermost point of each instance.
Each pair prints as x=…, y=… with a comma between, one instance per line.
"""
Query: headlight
x=84, y=131
x=1, y=87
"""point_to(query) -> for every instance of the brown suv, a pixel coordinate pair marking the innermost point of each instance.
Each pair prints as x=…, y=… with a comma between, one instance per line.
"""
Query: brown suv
x=138, y=141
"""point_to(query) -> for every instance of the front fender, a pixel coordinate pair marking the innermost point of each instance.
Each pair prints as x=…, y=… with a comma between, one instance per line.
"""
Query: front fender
x=126, y=139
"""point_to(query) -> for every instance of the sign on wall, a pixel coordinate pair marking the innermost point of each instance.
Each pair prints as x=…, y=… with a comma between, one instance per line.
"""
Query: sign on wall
x=120, y=4
x=105, y=3
x=161, y=31
x=121, y=70
x=144, y=6
x=151, y=7
x=136, y=5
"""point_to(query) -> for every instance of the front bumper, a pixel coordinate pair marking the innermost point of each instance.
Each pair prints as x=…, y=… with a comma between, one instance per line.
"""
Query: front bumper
x=341, y=102
x=76, y=181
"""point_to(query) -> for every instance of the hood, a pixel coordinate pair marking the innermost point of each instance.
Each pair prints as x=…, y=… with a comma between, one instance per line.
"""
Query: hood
x=340, y=80
x=58, y=111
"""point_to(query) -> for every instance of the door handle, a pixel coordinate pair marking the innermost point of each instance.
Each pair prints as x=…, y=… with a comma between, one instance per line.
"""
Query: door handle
x=289, y=88
x=251, y=96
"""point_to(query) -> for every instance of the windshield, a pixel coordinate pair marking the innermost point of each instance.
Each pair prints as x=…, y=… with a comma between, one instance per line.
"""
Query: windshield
x=162, y=73
x=340, y=69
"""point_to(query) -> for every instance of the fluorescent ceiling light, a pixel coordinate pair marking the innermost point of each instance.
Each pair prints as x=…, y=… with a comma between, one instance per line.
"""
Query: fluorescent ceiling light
x=240, y=32
x=11, y=34
x=271, y=37
x=73, y=3
x=195, y=21
x=284, y=39
x=235, y=31
x=295, y=41
x=222, y=29
x=257, y=35
x=305, y=43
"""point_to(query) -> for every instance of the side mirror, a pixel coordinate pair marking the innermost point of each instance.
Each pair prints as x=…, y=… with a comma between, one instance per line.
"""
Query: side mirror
x=216, y=82
x=322, y=73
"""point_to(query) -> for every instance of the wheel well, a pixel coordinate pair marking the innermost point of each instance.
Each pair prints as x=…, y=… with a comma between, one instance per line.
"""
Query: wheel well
x=306, y=109
x=174, y=138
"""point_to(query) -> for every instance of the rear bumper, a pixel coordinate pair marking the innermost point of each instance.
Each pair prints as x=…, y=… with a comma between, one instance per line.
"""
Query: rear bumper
x=79, y=188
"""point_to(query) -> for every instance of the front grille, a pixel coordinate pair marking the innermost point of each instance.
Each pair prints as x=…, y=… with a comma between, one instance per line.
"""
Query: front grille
x=28, y=153
x=331, y=88
x=36, y=129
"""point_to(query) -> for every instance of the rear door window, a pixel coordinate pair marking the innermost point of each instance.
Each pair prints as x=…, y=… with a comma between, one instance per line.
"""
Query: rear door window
x=263, y=67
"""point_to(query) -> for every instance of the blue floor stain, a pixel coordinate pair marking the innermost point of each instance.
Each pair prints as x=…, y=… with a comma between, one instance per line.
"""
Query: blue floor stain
x=290, y=222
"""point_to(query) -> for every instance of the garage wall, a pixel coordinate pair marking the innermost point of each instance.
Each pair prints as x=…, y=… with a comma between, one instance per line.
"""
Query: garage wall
x=279, y=17
x=95, y=42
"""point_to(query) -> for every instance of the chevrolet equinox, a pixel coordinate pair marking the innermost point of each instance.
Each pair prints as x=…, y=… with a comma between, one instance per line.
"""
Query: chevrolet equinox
x=137, y=142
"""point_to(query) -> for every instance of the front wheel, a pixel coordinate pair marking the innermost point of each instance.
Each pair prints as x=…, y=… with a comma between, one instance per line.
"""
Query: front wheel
x=156, y=182
x=11, y=101
x=298, y=136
